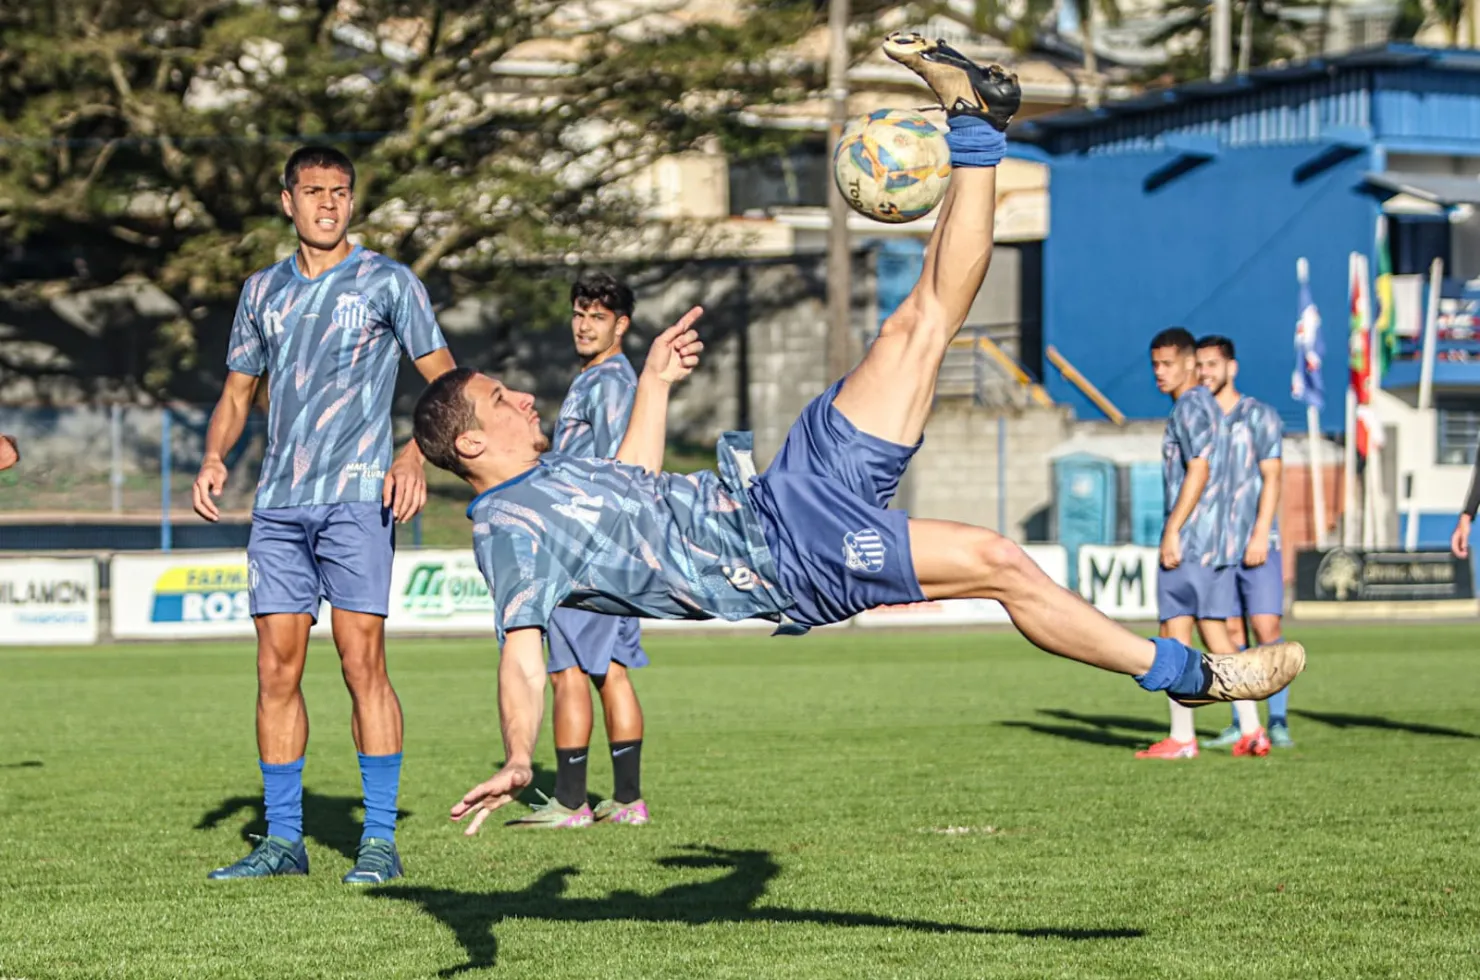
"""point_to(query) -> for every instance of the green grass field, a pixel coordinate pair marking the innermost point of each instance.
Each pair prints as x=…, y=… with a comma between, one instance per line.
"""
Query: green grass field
x=903, y=805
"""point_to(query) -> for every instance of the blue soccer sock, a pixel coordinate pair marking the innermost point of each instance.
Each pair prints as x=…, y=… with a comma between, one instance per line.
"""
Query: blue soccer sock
x=1279, y=702
x=380, y=777
x=974, y=142
x=1177, y=669
x=282, y=792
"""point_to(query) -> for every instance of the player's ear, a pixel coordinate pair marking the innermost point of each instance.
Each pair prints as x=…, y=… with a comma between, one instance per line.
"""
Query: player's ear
x=471, y=444
x=623, y=322
x=287, y=203
x=1232, y=370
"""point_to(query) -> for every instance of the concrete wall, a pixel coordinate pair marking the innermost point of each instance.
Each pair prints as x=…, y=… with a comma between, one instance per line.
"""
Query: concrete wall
x=955, y=474
x=1212, y=249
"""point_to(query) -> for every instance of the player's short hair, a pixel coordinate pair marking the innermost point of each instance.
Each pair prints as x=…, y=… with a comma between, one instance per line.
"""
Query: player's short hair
x=443, y=413
x=1177, y=337
x=603, y=288
x=1224, y=345
x=316, y=156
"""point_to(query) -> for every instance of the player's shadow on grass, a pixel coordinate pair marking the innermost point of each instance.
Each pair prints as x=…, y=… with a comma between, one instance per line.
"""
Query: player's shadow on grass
x=1337, y=720
x=332, y=821
x=732, y=897
x=1097, y=729
x=26, y=764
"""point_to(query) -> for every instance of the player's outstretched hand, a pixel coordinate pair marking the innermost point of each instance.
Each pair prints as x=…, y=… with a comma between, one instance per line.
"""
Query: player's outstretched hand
x=484, y=798
x=405, y=488
x=209, y=483
x=675, y=352
x=9, y=455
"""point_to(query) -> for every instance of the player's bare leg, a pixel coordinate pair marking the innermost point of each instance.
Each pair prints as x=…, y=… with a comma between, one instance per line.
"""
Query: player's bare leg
x=375, y=720
x=282, y=718
x=959, y=561
x=282, y=737
x=890, y=393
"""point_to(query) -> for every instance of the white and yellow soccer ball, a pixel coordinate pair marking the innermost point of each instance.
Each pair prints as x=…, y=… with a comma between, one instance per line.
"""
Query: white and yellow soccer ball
x=892, y=165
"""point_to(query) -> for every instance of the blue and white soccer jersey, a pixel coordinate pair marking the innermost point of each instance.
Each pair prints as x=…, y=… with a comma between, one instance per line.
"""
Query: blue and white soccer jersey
x=1202, y=585
x=611, y=538
x=592, y=422
x=1255, y=434
x=330, y=347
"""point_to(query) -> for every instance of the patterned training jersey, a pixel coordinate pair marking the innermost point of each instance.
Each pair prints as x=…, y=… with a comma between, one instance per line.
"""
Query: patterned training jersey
x=1255, y=434
x=1195, y=430
x=593, y=419
x=330, y=348
x=611, y=538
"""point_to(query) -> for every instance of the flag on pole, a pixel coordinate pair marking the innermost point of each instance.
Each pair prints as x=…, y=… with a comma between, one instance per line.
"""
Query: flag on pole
x=1361, y=355
x=1305, y=382
x=1387, y=327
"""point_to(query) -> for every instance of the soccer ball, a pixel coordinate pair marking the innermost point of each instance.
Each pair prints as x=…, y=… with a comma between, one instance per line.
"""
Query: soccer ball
x=892, y=165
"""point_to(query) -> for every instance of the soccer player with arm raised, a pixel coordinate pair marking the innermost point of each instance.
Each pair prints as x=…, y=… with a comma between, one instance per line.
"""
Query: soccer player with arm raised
x=808, y=542
x=327, y=325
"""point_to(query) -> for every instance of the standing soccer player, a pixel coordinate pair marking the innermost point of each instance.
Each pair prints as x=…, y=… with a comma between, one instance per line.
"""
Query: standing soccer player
x=1196, y=581
x=327, y=326
x=586, y=646
x=811, y=540
x=1255, y=473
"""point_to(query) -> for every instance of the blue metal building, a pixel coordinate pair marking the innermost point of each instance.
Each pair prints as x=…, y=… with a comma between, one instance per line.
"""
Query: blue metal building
x=1190, y=206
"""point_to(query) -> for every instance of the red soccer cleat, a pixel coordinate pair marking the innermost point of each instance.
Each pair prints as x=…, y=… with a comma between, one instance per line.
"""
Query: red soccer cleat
x=1256, y=744
x=1170, y=748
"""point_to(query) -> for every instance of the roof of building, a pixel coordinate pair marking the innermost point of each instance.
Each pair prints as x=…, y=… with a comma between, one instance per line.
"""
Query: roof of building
x=1108, y=120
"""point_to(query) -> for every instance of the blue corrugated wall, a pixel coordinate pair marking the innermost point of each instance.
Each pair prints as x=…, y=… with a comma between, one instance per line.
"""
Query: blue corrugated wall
x=1213, y=250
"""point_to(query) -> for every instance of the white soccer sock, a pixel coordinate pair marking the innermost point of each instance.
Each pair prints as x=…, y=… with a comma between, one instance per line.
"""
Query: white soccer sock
x=1247, y=713
x=1182, y=729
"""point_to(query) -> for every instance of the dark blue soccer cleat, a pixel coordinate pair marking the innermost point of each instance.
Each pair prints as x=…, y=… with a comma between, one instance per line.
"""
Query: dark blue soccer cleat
x=377, y=862
x=271, y=857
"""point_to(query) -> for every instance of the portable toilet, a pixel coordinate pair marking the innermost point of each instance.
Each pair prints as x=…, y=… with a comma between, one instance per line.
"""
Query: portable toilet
x=1084, y=504
x=1147, y=503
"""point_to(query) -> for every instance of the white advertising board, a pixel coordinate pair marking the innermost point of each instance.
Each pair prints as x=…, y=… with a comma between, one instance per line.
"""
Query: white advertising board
x=184, y=595
x=438, y=592
x=1120, y=581
x=1052, y=558
x=48, y=601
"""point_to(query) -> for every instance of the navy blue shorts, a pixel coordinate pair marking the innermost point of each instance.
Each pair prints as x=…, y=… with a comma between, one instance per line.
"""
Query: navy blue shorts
x=821, y=503
x=1261, y=589
x=1199, y=591
x=593, y=641
x=299, y=556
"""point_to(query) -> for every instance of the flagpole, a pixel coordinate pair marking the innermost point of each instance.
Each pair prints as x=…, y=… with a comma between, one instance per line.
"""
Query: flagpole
x=1350, y=519
x=1430, y=334
x=1313, y=435
x=1372, y=535
x=1425, y=387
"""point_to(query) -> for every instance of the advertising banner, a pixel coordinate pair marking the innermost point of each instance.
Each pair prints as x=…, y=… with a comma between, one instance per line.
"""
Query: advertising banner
x=1052, y=558
x=185, y=595
x=1120, y=581
x=48, y=601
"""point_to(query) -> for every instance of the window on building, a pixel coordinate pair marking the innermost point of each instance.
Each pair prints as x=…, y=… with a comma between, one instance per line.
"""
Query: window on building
x=1458, y=428
x=796, y=178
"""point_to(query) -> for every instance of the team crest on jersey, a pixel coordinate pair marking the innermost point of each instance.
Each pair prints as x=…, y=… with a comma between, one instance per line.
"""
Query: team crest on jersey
x=739, y=576
x=351, y=311
x=863, y=550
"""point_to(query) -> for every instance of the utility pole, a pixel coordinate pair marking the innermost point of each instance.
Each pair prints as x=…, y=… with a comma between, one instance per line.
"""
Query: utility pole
x=839, y=255
x=1222, y=39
